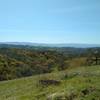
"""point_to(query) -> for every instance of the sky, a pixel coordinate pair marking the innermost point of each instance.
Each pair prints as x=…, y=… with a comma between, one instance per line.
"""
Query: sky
x=50, y=21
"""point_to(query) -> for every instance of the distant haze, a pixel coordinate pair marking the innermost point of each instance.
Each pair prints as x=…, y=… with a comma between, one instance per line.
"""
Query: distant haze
x=52, y=45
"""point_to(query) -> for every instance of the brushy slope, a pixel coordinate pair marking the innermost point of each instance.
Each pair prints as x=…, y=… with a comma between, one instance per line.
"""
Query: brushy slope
x=80, y=83
x=17, y=62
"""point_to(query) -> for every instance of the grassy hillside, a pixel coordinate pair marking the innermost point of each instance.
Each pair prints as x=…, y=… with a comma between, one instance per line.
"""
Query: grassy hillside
x=80, y=83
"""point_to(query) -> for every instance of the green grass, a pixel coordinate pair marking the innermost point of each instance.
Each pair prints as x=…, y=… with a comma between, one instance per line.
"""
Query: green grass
x=73, y=82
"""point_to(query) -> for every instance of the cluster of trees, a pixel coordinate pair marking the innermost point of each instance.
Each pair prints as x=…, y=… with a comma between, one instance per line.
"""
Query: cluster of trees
x=16, y=62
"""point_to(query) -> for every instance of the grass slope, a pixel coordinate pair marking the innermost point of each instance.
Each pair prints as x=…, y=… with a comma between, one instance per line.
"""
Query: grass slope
x=81, y=83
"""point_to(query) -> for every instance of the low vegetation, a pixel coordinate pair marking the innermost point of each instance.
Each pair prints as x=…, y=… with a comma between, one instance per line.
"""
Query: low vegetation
x=80, y=83
x=43, y=73
x=16, y=62
x=22, y=61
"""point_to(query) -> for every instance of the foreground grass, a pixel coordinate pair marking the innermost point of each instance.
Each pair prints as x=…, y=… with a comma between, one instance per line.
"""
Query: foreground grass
x=81, y=83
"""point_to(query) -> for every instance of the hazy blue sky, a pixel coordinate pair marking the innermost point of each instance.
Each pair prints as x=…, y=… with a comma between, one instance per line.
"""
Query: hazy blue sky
x=50, y=21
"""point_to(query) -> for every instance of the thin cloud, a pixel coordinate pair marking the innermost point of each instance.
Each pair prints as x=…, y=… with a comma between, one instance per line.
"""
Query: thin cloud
x=64, y=10
x=73, y=9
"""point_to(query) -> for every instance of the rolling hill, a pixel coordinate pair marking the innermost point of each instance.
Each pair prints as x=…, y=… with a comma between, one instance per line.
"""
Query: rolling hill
x=76, y=45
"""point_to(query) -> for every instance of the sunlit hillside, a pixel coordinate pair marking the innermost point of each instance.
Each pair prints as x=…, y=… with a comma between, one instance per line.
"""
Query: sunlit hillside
x=80, y=83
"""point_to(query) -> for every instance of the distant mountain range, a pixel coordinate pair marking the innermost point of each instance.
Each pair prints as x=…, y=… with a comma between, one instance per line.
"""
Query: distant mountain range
x=76, y=45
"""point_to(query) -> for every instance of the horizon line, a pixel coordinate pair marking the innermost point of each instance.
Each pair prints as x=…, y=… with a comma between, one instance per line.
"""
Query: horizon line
x=47, y=43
